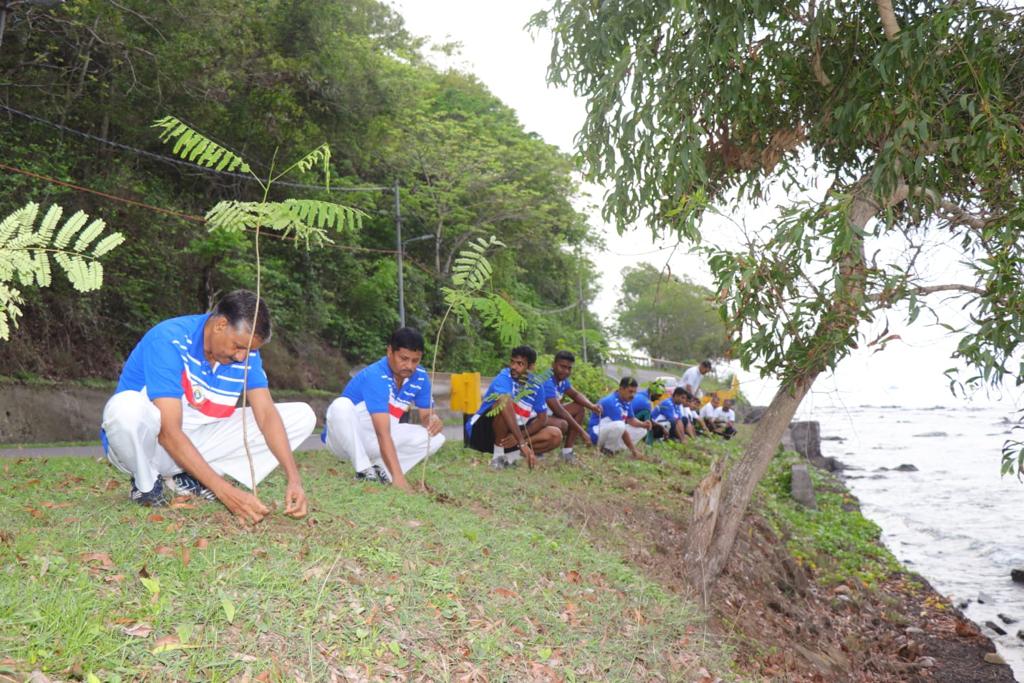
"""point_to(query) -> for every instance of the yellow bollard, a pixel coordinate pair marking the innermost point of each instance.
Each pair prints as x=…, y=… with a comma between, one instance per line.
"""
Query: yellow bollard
x=465, y=392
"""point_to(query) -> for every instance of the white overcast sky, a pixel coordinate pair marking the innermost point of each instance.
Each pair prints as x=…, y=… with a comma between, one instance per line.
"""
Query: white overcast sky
x=512, y=64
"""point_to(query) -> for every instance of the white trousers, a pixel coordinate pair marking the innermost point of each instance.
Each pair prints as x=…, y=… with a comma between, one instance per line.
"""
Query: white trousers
x=350, y=435
x=609, y=434
x=132, y=424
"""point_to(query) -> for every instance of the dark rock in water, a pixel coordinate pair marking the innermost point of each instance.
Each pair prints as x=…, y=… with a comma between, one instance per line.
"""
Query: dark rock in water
x=930, y=434
x=996, y=628
x=905, y=468
x=1017, y=575
x=1006, y=619
x=881, y=469
x=801, y=487
x=805, y=439
x=963, y=604
x=1020, y=634
x=754, y=414
x=832, y=438
x=984, y=598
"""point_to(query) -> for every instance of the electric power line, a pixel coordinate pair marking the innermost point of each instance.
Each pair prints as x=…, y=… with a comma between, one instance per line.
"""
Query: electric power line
x=180, y=162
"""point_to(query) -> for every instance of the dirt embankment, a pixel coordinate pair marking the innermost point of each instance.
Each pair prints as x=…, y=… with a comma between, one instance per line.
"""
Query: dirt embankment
x=784, y=625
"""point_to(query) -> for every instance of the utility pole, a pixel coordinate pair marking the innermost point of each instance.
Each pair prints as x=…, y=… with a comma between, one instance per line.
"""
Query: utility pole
x=401, y=265
x=583, y=319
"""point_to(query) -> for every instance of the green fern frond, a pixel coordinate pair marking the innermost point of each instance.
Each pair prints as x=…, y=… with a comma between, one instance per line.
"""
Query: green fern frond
x=25, y=255
x=193, y=146
x=325, y=214
x=321, y=154
x=69, y=230
x=234, y=216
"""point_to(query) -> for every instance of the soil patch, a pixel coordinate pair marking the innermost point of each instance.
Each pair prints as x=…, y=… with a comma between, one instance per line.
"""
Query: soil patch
x=782, y=623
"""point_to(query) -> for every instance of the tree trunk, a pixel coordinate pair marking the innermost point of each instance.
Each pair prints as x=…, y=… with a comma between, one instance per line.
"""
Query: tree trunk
x=710, y=538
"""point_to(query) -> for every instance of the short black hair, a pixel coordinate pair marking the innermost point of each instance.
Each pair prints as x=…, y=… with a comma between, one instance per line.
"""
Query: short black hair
x=526, y=352
x=627, y=382
x=679, y=391
x=705, y=364
x=239, y=309
x=565, y=355
x=406, y=338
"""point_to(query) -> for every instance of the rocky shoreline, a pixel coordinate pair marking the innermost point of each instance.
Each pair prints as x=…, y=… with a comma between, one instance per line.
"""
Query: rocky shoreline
x=901, y=630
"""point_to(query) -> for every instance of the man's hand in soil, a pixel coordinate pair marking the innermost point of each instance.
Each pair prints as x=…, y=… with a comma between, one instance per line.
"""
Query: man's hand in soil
x=434, y=425
x=243, y=505
x=295, y=500
x=528, y=453
x=400, y=482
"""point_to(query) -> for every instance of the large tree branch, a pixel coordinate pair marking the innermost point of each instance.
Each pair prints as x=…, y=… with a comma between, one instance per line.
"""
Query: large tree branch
x=955, y=214
x=889, y=23
x=886, y=296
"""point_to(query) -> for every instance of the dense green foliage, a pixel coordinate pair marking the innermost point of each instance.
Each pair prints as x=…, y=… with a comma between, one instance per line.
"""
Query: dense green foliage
x=270, y=80
x=669, y=316
x=910, y=119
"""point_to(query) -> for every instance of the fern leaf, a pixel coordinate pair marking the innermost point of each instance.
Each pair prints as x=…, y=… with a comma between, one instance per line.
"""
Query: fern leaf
x=323, y=214
x=69, y=230
x=91, y=232
x=193, y=146
x=18, y=222
x=108, y=244
x=49, y=224
x=234, y=216
x=321, y=154
x=42, y=269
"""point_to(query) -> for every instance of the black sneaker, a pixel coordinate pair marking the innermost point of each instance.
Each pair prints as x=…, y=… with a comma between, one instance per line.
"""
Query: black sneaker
x=149, y=499
x=383, y=476
x=184, y=484
x=371, y=474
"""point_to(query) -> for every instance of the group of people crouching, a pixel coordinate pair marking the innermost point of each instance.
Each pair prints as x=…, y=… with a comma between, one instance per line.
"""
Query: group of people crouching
x=525, y=413
x=173, y=424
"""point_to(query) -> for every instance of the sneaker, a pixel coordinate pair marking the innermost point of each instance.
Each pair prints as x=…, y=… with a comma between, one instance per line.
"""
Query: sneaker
x=569, y=457
x=607, y=451
x=149, y=499
x=184, y=484
x=383, y=476
x=498, y=462
x=369, y=474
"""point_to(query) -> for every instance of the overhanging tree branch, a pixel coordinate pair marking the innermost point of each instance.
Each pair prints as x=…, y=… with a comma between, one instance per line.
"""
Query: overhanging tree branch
x=889, y=23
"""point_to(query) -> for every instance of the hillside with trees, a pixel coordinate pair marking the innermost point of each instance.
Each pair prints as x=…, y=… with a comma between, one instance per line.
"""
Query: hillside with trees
x=271, y=79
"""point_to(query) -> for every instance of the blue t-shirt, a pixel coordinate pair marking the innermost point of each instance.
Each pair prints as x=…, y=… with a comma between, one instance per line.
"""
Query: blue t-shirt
x=556, y=390
x=375, y=386
x=642, y=403
x=612, y=410
x=529, y=404
x=169, y=362
x=668, y=411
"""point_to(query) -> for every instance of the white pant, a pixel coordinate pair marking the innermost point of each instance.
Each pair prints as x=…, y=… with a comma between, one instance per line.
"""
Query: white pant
x=609, y=434
x=350, y=434
x=132, y=424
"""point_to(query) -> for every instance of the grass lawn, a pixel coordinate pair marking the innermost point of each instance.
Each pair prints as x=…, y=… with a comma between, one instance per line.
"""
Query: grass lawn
x=487, y=578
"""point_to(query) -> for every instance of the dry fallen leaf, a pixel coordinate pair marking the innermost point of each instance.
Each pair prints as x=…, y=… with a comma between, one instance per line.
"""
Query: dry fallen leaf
x=505, y=593
x=38, y=514
x=201, y=543
x=572, y=576
x=102, y=558
x=53, y=506
x=186, y=555
x=155, y=517
x=111, y=484
x=163, y=550
x=139, y=630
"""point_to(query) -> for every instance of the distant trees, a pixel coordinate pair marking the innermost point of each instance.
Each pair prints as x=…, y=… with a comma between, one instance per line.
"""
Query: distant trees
x=668, y=316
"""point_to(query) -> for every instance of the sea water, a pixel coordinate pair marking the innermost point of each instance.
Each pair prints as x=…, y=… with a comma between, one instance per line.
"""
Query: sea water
x=955, y=520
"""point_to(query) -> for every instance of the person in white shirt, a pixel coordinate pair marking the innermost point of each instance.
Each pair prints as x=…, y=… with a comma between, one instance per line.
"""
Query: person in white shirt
x=692, y=377
x=728, y=419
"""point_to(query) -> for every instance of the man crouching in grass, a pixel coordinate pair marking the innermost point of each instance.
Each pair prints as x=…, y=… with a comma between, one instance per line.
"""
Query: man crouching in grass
x=172, y=418
x=364, y=424
x=512, y=420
